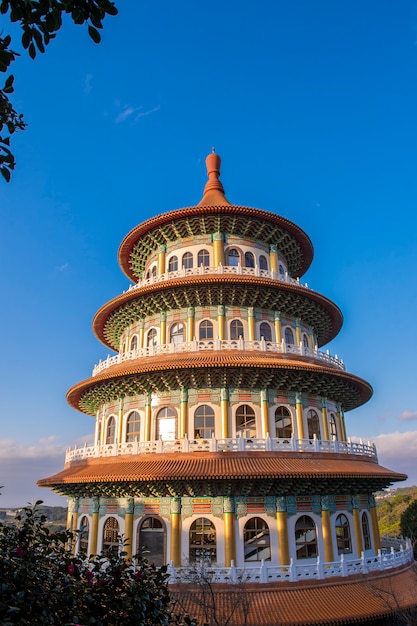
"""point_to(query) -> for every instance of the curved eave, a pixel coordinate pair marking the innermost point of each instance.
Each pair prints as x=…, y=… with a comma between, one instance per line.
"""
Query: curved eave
x=232, y=369
x=230, y=219
x=200, y=473
x=227, y=289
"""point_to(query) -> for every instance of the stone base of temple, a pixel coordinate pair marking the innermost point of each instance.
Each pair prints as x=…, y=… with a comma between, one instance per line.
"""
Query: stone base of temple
x=384, y=599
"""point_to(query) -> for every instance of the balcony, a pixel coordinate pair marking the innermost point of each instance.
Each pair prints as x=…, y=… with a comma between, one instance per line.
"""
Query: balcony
x=221, y=344
x=235, y=444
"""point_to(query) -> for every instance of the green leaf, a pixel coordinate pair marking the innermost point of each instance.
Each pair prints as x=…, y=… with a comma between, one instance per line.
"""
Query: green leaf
x=94, y=34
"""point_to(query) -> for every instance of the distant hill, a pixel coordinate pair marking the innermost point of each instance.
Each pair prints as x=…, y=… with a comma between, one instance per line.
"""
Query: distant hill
x=390, y=506
x=56, y=516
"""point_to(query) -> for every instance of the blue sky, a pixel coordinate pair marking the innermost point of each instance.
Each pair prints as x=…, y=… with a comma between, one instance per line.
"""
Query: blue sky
x=313, y=109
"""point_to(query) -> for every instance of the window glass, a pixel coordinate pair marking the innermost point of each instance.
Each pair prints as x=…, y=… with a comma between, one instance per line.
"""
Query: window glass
x=166, y=424
x=111, y=535
x=206, y=330
x=204, y=422
x=249, y=259
x=133, y=426
x=313, y=424
x=366, y=533
x=134, y=343
x=289, y=336
x=265, y=331
x=111, y=430
x=154, y=271
x=233, y=257
x=236, y=329
x=256, y=540
x=202, y=541
x=283, y=423
x=187, y=260
x=305, y=538
x=203, y=258
x=176, y=333
x=151, y=338
x=305, y=341
x=263, y=263
x=84, y=533
x=332, y=425
x=173, y=264
x=151, y=535
x=281, y=270
x=245, y=421
x=344, y=544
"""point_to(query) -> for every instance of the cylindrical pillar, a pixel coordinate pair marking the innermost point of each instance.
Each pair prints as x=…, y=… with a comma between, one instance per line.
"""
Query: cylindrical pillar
x=278, y=330
x=273, y=258
x=229, y=530
x=94, y=526
x=326, y=532
x=297, y=332
x=161, y=260
x=374, y=522
x=183, y=413
x=265, y=412
x=357, y=528
x=190, y=324
x=325, y=419
x=224, y=412
x=148, y=416
x=282, y=528
x=175, y=513
x=299, y=414
x=128, y=534
x=221, y=321
x=163, y=327
x=142, y=333
x=218, y=249
x=251, y=323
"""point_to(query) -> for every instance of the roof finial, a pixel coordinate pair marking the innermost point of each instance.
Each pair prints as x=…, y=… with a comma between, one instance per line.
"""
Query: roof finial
x=213, y=191
x=213, y=150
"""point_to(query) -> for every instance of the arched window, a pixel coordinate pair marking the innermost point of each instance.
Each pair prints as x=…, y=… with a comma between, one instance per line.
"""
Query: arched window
x=99, y=426
x=173, y=264
x=204, y=422
x=206, y=330
x=148, y=275
x=151, y=536
x=366, y=533
x=203, y=258
x=202, y=541
x=332, y=426
x=111, y=535
x=134, y=343
x=344, y=543
x=265, y=331
x=245, y=421
x=249, y=259
x=153, y=271
x=289, y=336
x=187, y=260
x=263, y=263
x=233, y=257
x=236, y=329
x=166, y=424
x=83, y=535
x=305, y=538
x=111, y=430
x=256, y=540
x=176, y=333
x=283, y=423
x=313, y=424
x=305, y=341
x=152, y=337
x=281, y=270
x=133, y=426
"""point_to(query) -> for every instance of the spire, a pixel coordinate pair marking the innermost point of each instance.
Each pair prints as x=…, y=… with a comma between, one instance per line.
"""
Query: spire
x=213, y=191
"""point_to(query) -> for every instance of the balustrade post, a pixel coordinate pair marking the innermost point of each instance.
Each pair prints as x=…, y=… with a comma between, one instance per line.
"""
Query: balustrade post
x=343, y=563
x=185, y=444
x=316, y=443
x=159, y=445
x=232, y=571
x=241, y=444
x=263, y=572
x=213, y=444
x=320, y=572
x=293, y=576
x=268, y=442
x=363, y=564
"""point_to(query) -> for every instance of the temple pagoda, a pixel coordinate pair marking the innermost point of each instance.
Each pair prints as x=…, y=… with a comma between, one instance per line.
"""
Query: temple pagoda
x=220, y=427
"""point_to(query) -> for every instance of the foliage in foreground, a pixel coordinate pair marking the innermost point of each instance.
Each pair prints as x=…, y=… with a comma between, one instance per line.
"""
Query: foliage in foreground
x=42, y=582
x=391, y=508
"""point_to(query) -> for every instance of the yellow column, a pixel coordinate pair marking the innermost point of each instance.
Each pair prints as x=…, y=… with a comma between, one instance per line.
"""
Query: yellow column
x=176, y=531
x=265, y=412
x=70, y=513
x=128, y=534
x=163, y=327
x=325, y=419
x=75, y=525
x=278, y=331
x=251, y=323
x=341, y=423
x=299, y=414
x=273, y=258
x=221, y=321
x=297, y=332
x=327, y=535
x=141, y=333
x=375, y=527
x=311, y=340
x=357, y=528
x=183, y=413
x=161, y=260
x=282, y=528
x=191, y=324
x=94, y=526
x=148, y=416
x=218, y=249
x=224, y=412
x=229, y=530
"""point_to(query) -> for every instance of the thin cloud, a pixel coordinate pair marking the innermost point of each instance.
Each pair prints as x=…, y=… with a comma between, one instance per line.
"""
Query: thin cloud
x=145, y=113
x=133, y=113
x=62, y=268
x=408, y=415
x=398, y=451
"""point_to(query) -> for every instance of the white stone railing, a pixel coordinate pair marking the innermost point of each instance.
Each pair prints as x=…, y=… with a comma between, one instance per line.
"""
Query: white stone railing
x=234, y=444
x=218, y=269
x=318, y=570
x=199, y=345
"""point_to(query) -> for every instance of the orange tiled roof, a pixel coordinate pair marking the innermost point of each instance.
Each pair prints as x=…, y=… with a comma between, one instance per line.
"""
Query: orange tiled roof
x=340, y=601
